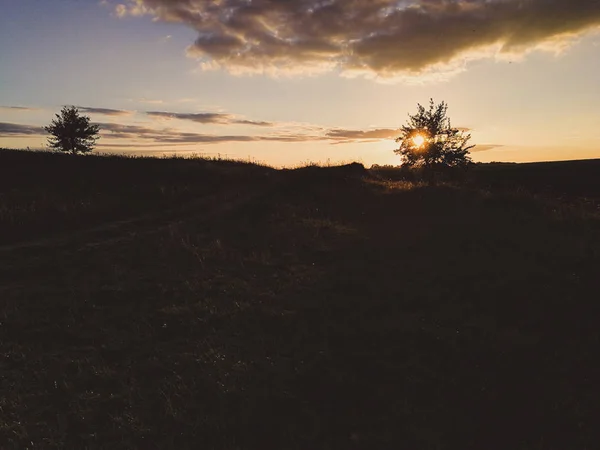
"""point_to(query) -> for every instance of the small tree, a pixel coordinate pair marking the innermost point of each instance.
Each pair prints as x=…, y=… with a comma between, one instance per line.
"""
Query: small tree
x=429, y=141
x=72, y=132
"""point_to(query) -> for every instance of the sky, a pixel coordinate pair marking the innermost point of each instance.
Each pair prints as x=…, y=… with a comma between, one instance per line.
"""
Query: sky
x=288, y=82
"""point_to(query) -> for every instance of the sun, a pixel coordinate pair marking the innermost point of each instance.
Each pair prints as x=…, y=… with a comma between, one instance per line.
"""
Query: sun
x=418, y=140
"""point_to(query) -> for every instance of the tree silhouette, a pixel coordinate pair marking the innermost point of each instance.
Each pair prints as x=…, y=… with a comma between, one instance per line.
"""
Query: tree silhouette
x=429, y=141
x=72, y=132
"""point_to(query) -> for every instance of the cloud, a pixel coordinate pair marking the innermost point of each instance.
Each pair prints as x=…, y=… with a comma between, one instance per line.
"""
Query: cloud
x=353, y=135
x=204, y=118
x=255, y=123
x=120, y=131
x=104, y=111
x=173, y=136
x=18, y=130
x=380, y=38
x=166, y=135
x=209, y=118
x=19, y=108
x=484, y=147
x=136, y=145
x=149, y=134
x=84, y=109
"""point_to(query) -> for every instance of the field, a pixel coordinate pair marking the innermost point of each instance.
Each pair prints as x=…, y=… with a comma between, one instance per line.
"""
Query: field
x=172, y=303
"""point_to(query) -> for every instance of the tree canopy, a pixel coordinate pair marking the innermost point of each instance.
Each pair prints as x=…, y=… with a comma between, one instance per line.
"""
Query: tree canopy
x=72, y=132
x=428, y=140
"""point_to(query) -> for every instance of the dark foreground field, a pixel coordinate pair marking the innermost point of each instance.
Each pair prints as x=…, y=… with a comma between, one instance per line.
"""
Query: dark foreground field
x=158, y=304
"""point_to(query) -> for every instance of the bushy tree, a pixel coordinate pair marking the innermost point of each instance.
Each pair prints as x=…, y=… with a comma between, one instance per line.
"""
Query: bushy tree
x=72, y=132
x=429, y=141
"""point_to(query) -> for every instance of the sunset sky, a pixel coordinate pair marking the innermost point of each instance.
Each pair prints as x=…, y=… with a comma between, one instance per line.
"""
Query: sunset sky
x=292, y=81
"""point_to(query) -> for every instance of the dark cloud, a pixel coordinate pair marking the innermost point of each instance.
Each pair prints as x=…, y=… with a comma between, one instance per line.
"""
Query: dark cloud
x=129, y=129
x=210, y=118
x=198, y=118
x=383, y=37
x=171, y=136
x=119, y=131
x=104, y=111
x=17, y=130
x=19, y=108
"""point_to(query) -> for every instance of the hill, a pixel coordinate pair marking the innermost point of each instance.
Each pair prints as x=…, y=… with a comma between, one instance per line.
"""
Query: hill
x=170, y=303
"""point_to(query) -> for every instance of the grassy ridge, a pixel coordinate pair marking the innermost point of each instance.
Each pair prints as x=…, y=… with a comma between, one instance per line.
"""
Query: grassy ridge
x=314, y=308
x=42, y=193
x=562, y=178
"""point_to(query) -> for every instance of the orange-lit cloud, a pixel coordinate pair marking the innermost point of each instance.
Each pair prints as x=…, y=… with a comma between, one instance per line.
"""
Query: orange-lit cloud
x=382, y=38
x=353, y=135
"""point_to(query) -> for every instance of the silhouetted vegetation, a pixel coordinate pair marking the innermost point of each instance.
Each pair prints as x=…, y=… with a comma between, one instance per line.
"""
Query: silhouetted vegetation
x=174, y=303
x=428, y=141
x=71, y=132
x=561, y=179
